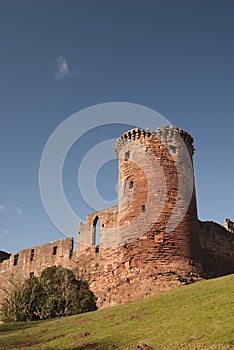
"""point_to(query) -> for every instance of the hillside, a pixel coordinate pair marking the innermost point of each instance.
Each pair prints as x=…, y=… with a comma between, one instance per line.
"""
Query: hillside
x=198, y=316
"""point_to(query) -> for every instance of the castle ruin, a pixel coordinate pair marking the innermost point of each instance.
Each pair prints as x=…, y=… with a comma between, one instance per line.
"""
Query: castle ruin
x=152, y=240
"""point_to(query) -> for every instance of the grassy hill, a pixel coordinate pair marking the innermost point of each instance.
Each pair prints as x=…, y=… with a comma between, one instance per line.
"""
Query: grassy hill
x=199, y=316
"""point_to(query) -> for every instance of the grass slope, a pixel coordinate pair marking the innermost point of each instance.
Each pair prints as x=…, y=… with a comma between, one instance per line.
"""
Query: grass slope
x=199, y=316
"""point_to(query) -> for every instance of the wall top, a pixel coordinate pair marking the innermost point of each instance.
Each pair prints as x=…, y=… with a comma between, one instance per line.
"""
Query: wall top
x=162, y=133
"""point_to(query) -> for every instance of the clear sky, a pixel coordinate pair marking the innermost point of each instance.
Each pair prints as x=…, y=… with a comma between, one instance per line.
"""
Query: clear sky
x=58, y=57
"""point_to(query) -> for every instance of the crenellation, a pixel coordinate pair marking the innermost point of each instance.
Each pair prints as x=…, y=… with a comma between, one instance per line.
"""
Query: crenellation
x=229, y=225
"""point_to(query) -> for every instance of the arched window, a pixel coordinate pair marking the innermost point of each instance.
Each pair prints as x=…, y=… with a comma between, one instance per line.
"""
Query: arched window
x=96, y=231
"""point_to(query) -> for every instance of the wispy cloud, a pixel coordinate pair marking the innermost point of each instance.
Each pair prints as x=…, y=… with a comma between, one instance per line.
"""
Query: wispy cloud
x=5, y=232
x=62, y=69
x=17, y=210
x=2, y=208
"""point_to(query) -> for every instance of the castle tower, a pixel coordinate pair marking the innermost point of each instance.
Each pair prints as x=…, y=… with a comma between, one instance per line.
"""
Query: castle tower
x=152, y=238
x=156, y=190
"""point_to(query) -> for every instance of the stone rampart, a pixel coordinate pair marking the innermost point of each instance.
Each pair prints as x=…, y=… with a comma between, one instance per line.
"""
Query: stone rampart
x=217, y=250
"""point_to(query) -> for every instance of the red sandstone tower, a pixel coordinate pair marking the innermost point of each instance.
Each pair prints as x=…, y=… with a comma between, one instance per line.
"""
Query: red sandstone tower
x=152, y=238
x=156, y=190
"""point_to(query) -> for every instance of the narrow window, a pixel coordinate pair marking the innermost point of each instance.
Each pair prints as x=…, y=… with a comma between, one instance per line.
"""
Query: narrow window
x=126, y=155
x=16, y=258
x=143, y=208
x=97, y=249
x=32, y=255
x=31, y=275
x=55, y=250
x=172, y=149
x=130, y=185
x=71, y=250
x=96, y=231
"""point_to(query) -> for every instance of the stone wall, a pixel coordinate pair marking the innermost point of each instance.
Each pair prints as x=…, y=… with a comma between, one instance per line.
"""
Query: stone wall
x=137, y=270
x=108, y=229
x=4, y=256
x=217, y=250
x=33, y=260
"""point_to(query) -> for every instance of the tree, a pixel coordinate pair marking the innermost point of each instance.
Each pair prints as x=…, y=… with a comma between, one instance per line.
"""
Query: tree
x=56, y=293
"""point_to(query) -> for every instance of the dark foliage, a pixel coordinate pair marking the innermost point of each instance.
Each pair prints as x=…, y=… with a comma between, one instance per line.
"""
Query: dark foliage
x=56, y=293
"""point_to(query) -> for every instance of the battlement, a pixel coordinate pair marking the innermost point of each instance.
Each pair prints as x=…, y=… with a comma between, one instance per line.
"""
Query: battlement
x=164, y=133
x=229, y=225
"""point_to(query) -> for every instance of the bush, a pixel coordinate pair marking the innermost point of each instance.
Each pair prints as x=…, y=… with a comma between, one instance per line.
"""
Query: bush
x=56, y=293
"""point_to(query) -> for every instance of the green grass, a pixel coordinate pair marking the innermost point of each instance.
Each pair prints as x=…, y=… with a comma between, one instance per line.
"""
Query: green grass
x=199, y=316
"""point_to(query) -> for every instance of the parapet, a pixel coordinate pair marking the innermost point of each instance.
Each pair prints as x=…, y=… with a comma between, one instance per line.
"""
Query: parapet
x=163, y=133
x=229, y=225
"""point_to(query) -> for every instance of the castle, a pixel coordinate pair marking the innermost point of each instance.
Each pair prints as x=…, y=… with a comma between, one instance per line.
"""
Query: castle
x=152, y=240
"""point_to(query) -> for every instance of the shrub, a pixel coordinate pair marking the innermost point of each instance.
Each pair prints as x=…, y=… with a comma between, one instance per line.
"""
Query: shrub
x=56, y=293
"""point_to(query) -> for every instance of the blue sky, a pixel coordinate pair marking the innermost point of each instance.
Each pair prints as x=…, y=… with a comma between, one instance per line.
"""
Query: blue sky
x=58, y=57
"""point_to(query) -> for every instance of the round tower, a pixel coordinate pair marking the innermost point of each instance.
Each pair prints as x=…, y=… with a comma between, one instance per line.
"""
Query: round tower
x=156, y=190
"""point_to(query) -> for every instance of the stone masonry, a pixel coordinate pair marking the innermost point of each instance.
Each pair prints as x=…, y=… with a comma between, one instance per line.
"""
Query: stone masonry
x=152, y=240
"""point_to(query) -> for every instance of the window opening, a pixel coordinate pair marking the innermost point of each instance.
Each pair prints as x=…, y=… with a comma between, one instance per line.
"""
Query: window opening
x=71, y=250
x=126, y=155
x=96, y=231
x=32, y=255
x=55, y=250
x=130, y=185
x=16, y=258
x=172, y=149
